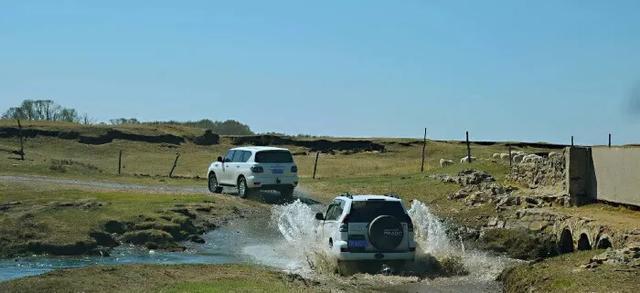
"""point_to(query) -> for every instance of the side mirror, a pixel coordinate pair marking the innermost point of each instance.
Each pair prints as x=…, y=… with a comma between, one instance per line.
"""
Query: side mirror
x=319, y=217
x=219, y=159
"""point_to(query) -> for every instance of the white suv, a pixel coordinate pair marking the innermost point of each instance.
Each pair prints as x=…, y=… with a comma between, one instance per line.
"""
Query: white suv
x=253, y=168
x=368, y=227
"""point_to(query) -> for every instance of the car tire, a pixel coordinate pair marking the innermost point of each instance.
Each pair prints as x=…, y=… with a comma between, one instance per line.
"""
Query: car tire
x=243, y=190
x=287, y=192
x=213, y=185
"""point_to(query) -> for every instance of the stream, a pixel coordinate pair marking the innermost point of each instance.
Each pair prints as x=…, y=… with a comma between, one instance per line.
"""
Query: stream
x=286, y=241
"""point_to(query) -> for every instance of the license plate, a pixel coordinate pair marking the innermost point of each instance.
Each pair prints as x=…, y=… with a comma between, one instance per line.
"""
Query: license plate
x=357, y=243
x=276, y=171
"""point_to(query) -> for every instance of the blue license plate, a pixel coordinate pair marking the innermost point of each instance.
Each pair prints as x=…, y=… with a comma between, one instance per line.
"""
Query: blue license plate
x=276, y=171
x=357, y=243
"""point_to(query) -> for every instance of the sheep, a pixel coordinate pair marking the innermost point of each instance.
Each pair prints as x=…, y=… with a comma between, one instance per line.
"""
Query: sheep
x=496, y=156
x=532, y=158
x=554, y=154
x=466, y=159
x=504, y=156
x=517, y=158
x=444, y=163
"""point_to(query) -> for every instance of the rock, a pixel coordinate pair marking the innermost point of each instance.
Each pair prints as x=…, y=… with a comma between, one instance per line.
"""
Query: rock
x=626, y=256
x=540, y=172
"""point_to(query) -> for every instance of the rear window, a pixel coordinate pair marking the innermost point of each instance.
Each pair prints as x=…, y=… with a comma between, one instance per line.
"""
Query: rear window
x=366, y=211
x=274, y=157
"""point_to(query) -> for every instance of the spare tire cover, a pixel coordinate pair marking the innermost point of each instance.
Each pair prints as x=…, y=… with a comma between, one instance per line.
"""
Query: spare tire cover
x=385, y=232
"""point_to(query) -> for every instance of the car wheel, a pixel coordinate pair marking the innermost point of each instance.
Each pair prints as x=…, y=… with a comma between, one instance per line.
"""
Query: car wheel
x=213, y=184
x=243, y=189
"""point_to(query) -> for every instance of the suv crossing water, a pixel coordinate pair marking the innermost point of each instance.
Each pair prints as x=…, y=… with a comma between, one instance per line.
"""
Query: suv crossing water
x=250, y=169
x=368, y=227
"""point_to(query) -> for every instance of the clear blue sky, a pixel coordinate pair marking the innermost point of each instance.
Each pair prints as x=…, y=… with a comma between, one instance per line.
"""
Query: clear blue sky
x=504, y=70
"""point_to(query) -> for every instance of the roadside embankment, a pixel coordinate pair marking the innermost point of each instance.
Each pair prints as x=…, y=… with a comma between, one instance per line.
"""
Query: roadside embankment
x=40, y=220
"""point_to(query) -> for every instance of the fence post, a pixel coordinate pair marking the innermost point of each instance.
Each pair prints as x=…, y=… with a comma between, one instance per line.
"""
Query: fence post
x=609, y=139
x=315, y=165
x=424, y=147
x=119, y=161
x=175, y=163
x=510, y=159
x=21, y=140
x=572, y=140
x=468, y=148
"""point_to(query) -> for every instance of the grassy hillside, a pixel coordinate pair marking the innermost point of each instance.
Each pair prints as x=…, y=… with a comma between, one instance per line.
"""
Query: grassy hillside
x=47, y=155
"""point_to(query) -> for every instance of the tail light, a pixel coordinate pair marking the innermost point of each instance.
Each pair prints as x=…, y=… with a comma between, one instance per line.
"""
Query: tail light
x=257, y=169
x=409, y=224
x=344, y=226
x=294, y=169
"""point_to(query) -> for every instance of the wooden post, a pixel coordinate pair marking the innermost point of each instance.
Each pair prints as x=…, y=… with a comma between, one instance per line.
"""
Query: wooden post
x=468, y=148
x=510, y=158
x=572, y=140
x=424, y=147
x=21, y=140
x=315, y=165
x=175, y=163
x=119, y=162
x=609, y=139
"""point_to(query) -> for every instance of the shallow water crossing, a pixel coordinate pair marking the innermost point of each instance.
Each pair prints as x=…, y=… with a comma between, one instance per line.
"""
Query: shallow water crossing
x=287, y=240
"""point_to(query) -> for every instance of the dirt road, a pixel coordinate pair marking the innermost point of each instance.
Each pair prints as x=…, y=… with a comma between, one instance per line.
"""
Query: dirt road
x=95, y=185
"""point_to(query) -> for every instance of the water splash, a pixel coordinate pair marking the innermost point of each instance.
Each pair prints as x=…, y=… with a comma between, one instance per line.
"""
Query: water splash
x=431, y=236
x=429, y=231
x=295, y=222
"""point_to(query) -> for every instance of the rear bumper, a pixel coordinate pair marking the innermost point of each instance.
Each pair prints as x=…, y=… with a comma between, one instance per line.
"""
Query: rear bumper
x=359, y=256
x=271, y=182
